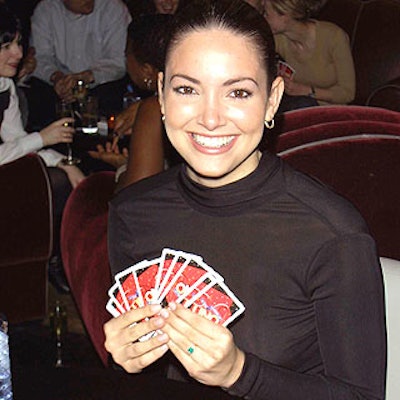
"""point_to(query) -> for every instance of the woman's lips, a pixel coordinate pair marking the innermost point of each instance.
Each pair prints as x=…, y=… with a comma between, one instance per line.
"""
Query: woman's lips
x=213, y=144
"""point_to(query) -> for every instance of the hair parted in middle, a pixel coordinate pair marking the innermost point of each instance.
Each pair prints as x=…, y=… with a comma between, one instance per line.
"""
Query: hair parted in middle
x=234, y=15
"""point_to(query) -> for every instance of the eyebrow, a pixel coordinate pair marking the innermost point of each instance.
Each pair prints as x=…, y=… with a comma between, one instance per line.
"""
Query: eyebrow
x=229, y=82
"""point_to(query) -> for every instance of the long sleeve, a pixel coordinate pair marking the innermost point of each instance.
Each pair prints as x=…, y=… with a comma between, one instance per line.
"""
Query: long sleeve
x=16, y=142
x=114, y=23
x=74, y=43
x=345, y=285
x=43, y=40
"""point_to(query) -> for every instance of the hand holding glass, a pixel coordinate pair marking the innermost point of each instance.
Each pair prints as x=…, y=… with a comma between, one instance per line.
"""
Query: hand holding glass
x=65, y=110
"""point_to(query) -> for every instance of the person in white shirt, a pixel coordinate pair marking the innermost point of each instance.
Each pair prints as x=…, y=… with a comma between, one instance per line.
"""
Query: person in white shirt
x=77, y=40
x=15, y=142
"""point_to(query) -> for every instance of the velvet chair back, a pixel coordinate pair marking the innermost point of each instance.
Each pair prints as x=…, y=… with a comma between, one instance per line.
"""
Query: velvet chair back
x=358, y=156
x=84, y=252
x=25, y=238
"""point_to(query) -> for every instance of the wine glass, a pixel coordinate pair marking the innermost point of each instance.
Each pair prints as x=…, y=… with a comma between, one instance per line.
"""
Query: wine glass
x=65, y=110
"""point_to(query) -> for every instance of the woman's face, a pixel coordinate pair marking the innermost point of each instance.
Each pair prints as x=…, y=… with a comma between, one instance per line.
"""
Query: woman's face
x=215, y=104
x=166, y=6
x=10, y=56
x=276, y=21
x=139, y=72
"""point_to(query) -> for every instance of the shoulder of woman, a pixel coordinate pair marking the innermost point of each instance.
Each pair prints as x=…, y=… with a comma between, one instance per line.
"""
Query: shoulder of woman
x=150, y=105
x=329, y=28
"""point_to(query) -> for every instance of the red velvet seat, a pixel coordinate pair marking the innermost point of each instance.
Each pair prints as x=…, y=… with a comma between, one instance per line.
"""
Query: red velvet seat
x=358, y=157
x=25, y=238
x=84, y=252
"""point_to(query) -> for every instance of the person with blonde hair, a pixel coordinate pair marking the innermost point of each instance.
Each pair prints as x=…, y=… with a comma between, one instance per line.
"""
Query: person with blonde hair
x=318, y=53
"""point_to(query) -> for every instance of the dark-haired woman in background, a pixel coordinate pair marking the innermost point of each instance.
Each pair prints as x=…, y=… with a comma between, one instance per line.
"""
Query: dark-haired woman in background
x=15, y=142
x=149, y=151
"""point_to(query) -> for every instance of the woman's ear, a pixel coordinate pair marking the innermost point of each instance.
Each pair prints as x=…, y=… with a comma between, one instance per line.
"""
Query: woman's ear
x=274, y=99
x=160, y=85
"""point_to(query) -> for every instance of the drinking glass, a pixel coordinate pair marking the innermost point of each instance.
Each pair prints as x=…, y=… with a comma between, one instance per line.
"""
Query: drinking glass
x=90, y=116
x=65, y=110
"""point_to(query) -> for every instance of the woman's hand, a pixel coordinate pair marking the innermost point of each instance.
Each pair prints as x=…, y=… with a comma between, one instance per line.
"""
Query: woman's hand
x=75, y=175
x=125, y=120
x=214, y=359
x=110, y=154
x=122, y=334
x=57, y=132
x=294, y=88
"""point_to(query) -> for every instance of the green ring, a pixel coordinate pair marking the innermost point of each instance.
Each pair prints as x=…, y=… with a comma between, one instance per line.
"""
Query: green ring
x=190, y=350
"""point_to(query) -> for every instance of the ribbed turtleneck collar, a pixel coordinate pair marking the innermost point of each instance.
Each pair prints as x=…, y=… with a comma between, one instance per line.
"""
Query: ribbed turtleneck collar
x=232, y=198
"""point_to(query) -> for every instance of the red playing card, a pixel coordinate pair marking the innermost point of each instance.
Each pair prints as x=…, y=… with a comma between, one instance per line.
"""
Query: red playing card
x=216, y=303
x=146, y=275
x=131, y=293
x=187, y=281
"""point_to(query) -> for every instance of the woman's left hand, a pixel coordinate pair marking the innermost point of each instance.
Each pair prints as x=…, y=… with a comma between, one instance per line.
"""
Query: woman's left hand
x=206, y=350
x=294, y=88
x=110, y=154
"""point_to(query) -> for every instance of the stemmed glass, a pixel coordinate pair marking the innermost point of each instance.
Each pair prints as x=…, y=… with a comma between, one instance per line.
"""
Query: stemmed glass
x=65, y=110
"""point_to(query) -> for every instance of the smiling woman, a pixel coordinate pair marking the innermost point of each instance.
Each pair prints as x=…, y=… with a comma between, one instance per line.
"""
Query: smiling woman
x=297, y=255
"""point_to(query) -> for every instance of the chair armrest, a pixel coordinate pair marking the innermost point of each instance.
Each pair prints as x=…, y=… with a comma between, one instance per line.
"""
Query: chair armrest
x=26, y=207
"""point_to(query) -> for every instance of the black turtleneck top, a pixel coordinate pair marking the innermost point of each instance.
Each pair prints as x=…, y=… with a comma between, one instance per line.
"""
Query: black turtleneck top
x=297, y=255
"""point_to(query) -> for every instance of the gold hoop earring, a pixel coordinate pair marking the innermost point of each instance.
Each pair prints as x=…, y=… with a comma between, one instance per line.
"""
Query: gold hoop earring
x=269, y=124
x=148, y=82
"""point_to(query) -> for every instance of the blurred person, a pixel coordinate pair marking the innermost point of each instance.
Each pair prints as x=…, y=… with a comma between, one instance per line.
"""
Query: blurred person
x=149, y=151
x=77, y=40
x=297, y=255
x=15, y=142
x=318, y=52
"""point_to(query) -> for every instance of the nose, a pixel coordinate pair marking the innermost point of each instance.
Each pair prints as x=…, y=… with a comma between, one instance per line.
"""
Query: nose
x=212, y=113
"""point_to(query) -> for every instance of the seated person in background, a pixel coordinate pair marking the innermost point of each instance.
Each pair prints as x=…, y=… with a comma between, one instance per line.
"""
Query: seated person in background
x=77, y=40
x=15, y=142
x=148, y=147
x=318, y=51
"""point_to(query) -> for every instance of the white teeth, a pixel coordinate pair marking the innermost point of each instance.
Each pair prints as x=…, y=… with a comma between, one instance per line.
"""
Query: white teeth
x=213, y=142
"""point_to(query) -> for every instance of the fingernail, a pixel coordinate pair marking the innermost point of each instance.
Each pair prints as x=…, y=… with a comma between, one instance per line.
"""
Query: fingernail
x=164, y=348
x=172, y=306
x=155, y=308
x=164, y=313
x=163, y=337
x=158, y=322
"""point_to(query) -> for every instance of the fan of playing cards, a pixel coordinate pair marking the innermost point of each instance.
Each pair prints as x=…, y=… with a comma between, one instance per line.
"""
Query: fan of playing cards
x=175, y=276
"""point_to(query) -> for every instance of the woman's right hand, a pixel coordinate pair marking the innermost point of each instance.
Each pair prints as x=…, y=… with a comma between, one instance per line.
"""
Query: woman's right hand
x=122, y=334
x=58, y=132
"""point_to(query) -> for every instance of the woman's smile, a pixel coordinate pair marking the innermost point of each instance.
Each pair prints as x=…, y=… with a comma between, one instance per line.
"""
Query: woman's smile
x=213, y=142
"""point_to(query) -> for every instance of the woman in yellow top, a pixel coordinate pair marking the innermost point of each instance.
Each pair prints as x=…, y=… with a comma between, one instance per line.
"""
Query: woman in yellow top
x=318, y=51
